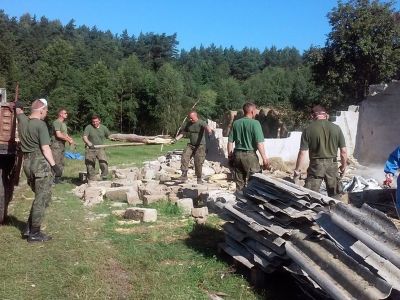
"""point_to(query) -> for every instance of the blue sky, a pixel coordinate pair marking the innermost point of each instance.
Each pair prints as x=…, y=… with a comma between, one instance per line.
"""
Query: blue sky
x=237, y=23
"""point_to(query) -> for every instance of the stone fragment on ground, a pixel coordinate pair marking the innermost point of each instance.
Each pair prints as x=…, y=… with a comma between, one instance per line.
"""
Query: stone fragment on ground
x=186, y=204
x=93, y=195
x=141, y=214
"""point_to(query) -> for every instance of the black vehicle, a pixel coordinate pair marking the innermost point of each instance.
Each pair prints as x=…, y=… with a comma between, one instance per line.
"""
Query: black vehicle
x=10, y=155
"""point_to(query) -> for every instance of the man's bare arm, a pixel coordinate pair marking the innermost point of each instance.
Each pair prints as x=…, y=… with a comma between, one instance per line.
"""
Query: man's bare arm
x=301, y=157
x=343, y=159
x=261, y=150
x=46, y=150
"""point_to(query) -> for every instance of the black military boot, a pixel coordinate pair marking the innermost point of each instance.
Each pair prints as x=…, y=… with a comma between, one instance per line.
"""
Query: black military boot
x=184, y=176
x=37, y=236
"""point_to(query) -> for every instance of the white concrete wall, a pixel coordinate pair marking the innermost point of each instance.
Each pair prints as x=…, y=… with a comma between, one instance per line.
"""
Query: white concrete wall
x=379, y=126
x=348, y=122
x=286, y=148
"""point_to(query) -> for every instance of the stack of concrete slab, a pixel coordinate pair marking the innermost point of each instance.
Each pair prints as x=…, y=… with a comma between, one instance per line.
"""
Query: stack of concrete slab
x=341, y=251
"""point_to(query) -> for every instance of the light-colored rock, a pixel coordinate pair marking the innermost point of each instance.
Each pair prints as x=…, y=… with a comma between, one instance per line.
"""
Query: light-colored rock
x=117, y=194
x=148, y=199
x=152, y=187
x=162, y=159
x=93, y=195
x=186, y=204
x=200, y=212
x=79, y=191
x=207, y=171
x=200, y=221
x=118, y=213
x=141, y=214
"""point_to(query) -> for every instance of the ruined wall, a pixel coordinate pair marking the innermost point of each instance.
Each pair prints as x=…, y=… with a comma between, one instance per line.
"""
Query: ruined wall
x=378, y=126
x=348, y=122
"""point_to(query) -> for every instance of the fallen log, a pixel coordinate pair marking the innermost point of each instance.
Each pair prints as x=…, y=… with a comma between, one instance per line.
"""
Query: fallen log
x=158, y=139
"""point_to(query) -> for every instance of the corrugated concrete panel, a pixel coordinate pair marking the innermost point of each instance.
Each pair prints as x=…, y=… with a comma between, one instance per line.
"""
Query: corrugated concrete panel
x=333, y=270
x=359, y=251
x=369, y=227
x=346, y=252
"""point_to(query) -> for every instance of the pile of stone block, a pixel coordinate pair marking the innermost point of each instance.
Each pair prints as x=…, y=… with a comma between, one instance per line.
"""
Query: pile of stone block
x=157, y=180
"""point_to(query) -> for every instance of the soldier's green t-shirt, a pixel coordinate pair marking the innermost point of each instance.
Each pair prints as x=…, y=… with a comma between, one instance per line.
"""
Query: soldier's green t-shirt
x=33, y=133
x=196, y=132
x=246, y=133
x=58, y=126
x=96, y=135
x=322, y=138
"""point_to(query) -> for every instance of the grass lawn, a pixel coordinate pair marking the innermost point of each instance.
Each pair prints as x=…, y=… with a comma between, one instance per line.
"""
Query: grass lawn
x=91, y=256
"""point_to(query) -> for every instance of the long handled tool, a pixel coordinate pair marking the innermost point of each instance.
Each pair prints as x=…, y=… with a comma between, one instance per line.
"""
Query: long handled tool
x=118, y=145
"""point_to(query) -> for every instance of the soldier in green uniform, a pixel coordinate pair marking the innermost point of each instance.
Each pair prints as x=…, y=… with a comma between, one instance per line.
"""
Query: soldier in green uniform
x=248, y=137
x=59, y=137
x=321, y=141
x=196, y=147
x=39, y=165
x=95, y=134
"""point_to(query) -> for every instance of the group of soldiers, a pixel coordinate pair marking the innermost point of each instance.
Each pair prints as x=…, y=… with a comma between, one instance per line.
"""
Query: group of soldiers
x=44, y=156
x=320, y=141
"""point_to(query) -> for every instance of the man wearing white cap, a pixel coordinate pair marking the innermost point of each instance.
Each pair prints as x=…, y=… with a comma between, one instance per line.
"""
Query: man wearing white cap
x=39, y=165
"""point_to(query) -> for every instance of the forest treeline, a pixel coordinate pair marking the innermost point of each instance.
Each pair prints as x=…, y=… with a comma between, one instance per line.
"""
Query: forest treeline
x=144, y=84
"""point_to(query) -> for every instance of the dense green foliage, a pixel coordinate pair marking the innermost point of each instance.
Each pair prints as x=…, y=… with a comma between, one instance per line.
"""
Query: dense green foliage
x=145, y=85
x=362, y=49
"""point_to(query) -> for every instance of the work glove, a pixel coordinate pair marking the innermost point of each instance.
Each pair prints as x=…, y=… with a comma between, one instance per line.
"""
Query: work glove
x=388, y=180
x=56, y=170
x=92, y=147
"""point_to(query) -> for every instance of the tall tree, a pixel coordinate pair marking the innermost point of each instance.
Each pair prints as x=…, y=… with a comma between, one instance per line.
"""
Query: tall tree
x=362, y=48
x=170, y=107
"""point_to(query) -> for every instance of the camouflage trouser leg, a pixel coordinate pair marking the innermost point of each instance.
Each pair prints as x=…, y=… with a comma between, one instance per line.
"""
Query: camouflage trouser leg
x=102, y=157
x=58, y=150
x=40, y=179
x=186, y=156
x=199, y=157
x=90, y=160
x=245, y=164
x=323, y=169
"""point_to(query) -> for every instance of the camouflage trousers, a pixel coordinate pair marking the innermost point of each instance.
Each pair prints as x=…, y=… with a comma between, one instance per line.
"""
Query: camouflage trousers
x=323, y=169
x=90, y=160
x=245, y=164
x=40, y=179
x=58, y=150
x=199, y=154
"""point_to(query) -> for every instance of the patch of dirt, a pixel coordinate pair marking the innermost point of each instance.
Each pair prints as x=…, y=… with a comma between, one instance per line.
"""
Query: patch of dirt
x=117, y=278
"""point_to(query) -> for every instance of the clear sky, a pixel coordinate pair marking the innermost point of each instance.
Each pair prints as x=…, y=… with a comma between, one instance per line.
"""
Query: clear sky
x=237, y=23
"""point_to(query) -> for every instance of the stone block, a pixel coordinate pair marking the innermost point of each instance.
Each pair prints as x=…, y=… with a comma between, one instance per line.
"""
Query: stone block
x=148, y=199
x=118, y=194
x=93, y=195
x=118, y=213
x=200, y=221
x=141, y=214
x=186, y=204
x=200, y=212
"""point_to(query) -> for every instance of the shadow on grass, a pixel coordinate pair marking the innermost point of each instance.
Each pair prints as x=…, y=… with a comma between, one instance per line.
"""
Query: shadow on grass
x=205, y=239
x=278, y=285
x=13, y=221
x=72, y=180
